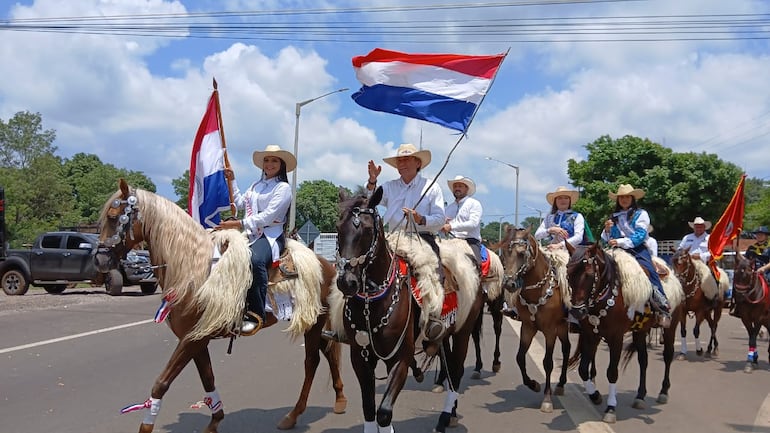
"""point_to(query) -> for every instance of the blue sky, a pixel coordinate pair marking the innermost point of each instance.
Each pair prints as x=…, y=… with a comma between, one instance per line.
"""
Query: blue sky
x=136, y=101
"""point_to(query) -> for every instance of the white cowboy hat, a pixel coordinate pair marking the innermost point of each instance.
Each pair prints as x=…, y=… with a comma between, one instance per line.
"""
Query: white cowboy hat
x=563, y=190
x=408, y=149
x=274, y=150
x=699, y=220
x=463, y=180
x=626, y=189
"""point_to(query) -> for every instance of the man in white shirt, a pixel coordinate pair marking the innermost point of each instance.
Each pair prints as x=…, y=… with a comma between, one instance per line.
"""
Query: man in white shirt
x=698, y=240
x=463, y=216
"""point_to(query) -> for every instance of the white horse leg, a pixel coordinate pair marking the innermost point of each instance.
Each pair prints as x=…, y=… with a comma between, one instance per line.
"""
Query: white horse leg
x=683, y=350
x=152, y=412
x=386, y=429
x=370, y=427
x=612, y=403
x=589, y=386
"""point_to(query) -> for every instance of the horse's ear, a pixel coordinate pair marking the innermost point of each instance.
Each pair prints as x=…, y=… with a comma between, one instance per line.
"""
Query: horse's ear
x=123, y=185
x=376, y=198
x=342, y=194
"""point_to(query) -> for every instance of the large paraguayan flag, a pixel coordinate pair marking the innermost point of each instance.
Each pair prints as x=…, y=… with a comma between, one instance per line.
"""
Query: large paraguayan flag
x=209, y=194
x=441, y=88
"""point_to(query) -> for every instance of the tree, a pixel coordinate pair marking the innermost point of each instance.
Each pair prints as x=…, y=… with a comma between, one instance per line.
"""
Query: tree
x=317, y=202
x=22, y=140
x=678, y=186
x=182, y=189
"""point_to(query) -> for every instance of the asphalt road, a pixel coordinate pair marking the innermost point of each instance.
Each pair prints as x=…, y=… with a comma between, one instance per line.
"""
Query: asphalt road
x=70, y=362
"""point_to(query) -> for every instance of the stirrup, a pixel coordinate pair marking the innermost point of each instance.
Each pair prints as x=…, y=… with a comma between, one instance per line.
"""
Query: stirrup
x=434, y=330
x=252, y=323
x=329, y=335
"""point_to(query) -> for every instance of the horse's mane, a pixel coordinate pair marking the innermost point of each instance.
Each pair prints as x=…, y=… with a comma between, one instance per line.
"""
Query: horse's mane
x=559, y=259
x=707, y=282
x=636, y=286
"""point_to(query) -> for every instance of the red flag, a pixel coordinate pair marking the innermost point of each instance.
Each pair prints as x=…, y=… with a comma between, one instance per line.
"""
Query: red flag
x=728, y=227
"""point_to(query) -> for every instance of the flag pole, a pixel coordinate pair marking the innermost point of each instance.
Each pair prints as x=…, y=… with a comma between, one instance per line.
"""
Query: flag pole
x=233, y=210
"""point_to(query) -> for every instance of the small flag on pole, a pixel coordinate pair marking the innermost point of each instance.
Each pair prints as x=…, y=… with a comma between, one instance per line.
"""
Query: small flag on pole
x=445, y=89
x=728, y=227
x=209, y=193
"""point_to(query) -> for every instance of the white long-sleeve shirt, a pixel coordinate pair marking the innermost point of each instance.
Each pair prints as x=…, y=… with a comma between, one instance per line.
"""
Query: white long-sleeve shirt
x=697, y=244
x=397, y=195
x=560, y=219
x=465, y=218
x=266, y=202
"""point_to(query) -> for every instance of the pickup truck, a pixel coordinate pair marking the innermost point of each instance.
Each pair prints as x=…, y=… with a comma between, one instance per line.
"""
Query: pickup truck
x=58, y=259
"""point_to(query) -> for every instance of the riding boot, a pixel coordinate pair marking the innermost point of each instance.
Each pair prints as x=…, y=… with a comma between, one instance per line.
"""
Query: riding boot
x=663, y=307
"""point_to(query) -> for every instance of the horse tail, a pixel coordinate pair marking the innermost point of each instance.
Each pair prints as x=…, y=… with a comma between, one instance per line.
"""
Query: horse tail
x=574, y=360
x=221, y=298
x=494, y=282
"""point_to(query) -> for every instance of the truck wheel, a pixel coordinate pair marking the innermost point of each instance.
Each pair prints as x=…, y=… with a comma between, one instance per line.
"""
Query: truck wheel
x=55, y=289
x=14, y=283
x=148, y=288
x=113, y=282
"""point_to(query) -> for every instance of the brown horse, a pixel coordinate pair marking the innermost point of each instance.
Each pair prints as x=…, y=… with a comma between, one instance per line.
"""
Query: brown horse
x=535, y=282
x=752, y=304
x=703, y=296
x=202, y=302
x=605, y=285
x=380, y=278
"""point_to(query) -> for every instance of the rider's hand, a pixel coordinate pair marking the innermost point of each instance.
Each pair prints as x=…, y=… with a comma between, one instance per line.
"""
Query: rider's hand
x=608, y=225
x=229, y=174
x=374, y=171
x=446, y=228
x=229, y=225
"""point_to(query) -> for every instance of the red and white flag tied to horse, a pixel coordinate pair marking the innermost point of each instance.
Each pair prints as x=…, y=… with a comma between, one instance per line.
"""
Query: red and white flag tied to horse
x=446, y=89
x=209, y=193
x=728, y=227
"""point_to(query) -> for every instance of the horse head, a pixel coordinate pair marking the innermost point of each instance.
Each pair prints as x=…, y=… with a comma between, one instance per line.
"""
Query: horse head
x=585, y=269
x=120, y=228
x=744, y=275
x=519, y=250
x=360, y=237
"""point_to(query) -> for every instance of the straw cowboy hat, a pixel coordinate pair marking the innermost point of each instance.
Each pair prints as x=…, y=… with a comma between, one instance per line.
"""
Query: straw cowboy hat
x=463, y=180
x=626, y=189
x=408, y=149
x=699, y=220
x=560, y=191
x=274, y=150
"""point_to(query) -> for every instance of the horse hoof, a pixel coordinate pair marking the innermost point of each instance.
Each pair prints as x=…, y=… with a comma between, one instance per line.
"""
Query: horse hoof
x=748, y=368
x=681, y=357
x=476, y=375
x=419, y=376
x=287, y=423
x=546, y=407
x=438, y=389
x=559, y=390
x=638, y=404
x=496, y=367
x=699, y=352
x=662, y=398
x=596, y=398
x=610, y=417
x=715, y=353
x=146, y=428
x=340, y=405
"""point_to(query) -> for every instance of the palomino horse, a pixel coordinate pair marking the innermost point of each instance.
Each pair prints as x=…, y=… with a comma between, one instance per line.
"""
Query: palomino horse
x=535, y=282
x=201, y=302
x=752, y=304
x=607, y=287
x=703, y=296
x=381, y=316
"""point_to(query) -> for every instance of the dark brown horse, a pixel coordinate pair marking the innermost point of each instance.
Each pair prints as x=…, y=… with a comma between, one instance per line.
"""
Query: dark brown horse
x=537, y=284
x=602, y=292
x=752, y=304
x=380, y=316
x=202, y=302
x=703, y=296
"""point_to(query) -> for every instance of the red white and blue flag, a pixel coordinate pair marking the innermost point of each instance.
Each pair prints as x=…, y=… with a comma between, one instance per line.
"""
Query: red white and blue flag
x=441, y=88
x=209, y=193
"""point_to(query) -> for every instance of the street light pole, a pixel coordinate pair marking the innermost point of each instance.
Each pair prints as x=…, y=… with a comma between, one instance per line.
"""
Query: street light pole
x=515, y=167
x=539, y=212
x=297, y=111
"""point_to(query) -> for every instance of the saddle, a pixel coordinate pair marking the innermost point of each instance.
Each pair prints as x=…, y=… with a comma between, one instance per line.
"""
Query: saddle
x=282, y=270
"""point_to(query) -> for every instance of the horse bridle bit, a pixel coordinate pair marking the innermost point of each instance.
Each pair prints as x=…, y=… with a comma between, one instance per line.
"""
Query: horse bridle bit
x=124, y=221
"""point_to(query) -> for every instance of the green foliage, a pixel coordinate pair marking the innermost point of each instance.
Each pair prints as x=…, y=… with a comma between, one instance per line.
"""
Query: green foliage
x=490, y=233
x=22, y=139
x=182, y=189
x=757, y=204
x=317, y=201
x=678, y=186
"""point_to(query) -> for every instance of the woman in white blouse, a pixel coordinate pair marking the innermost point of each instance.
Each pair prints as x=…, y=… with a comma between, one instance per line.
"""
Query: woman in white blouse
x=562, y=223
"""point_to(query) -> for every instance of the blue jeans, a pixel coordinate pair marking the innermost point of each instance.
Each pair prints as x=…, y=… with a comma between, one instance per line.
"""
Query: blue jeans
x=642, y=255
x=261, y=260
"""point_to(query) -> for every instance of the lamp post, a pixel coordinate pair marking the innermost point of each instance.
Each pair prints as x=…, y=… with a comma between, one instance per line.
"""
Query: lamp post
x=539, y=212
x=515, y=167
x=297, y=111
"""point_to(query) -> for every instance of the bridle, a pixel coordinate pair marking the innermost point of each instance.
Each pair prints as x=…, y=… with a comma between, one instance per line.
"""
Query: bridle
x=361, y=263
x=514, y=281
x=126, y=221
x=598, y=293
x=689, y=276
x=754, y=286
x=546, y=284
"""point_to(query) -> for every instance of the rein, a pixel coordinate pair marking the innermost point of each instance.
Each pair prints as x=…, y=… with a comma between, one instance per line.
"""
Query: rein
x=693, y=280
x=608, y=294
x=547, y=282
x=755, y=287
x=125, y=221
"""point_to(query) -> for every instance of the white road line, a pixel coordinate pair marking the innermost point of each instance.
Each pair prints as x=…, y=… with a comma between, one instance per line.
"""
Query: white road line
x=72, y=337
x=580, y=410
x=762, y=421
